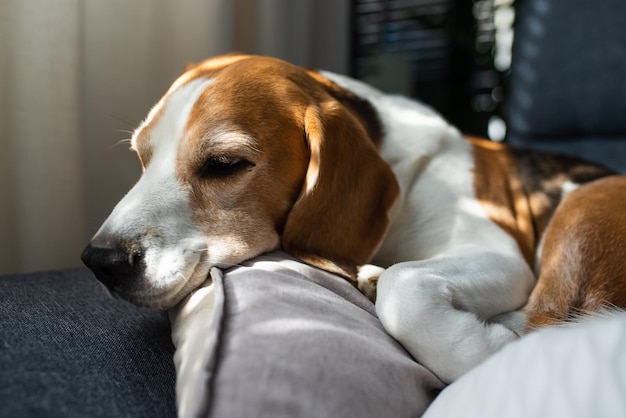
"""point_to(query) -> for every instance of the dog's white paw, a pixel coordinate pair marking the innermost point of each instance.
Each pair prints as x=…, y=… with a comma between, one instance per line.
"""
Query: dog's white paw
x=367, y=279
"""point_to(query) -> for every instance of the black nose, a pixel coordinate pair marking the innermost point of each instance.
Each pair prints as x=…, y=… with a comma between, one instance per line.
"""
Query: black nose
x=112, y=262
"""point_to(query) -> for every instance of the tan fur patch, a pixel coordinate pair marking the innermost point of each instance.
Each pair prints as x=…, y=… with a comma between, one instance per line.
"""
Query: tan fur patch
x=584, y=257
x=502, y=195
x=520, y=190
x=583, y=260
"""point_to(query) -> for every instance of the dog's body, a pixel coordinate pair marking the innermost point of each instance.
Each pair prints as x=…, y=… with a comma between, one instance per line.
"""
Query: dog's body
x=247, y=154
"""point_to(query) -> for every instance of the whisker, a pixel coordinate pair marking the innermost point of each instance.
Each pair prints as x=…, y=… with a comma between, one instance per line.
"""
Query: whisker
x=123, y=141
x=126, y=131
x=118, y=118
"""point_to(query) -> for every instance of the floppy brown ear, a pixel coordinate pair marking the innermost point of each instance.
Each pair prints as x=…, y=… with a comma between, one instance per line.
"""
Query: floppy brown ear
x=342, y=213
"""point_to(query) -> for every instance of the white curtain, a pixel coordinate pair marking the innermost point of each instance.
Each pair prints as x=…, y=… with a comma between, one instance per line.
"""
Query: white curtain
x=76, y=75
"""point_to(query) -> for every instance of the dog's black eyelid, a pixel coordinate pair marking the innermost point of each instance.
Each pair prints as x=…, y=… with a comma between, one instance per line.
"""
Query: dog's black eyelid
x=224, y=166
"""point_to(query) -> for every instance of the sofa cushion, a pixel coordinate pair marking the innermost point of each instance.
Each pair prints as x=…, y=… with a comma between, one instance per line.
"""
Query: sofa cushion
x=284, y=339
x=566, y=91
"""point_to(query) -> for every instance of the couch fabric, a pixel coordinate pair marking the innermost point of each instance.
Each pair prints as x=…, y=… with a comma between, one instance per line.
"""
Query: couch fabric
x=69, y=350
x=567, y=90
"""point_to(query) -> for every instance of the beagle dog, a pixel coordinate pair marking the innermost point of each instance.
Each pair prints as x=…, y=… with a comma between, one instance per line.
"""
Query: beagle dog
x=247, y=154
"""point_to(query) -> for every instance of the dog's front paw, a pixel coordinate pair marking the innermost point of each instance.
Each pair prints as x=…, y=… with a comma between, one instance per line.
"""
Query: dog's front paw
x=367, y=279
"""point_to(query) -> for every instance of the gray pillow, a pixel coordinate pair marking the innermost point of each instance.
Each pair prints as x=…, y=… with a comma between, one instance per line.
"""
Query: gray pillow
x=278, y=338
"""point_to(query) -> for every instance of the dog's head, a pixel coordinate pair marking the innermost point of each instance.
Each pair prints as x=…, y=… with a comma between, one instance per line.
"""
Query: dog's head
x=241, y=156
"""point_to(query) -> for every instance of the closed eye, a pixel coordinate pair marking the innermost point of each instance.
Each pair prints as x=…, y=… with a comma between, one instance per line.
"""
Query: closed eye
x=220, y=166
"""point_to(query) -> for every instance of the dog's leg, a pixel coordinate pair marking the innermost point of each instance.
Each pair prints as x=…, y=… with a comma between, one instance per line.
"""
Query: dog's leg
x=583, y=262
x=442, y=309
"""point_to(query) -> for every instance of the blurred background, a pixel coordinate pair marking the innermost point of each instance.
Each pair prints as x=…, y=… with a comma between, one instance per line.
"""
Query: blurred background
x=76, y=76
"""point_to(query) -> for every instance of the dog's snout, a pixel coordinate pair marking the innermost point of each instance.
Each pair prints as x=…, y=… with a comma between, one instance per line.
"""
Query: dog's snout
x=111, y=262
